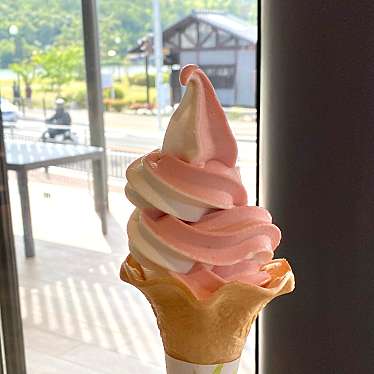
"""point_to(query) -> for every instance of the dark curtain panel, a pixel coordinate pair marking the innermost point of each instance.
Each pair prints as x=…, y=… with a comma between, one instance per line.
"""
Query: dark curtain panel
x=9, y=297
x=317, y=180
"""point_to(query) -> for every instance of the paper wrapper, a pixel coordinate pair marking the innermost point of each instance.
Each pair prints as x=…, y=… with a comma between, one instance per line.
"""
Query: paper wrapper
x=174, y=366
x=213, y=330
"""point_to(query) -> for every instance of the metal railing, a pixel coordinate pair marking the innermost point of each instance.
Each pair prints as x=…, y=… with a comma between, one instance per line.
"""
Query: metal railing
x=117, y=161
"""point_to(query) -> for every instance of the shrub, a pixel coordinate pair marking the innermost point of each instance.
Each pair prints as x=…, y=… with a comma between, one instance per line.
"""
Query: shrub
x=79, y=98
x=115, y=104
x=118, y=105
x=166, y=77
x=133, y=95
x=139, y=79
x=118, y=93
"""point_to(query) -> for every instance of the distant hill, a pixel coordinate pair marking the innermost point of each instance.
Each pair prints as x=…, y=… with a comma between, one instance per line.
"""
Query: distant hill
x=41, y=23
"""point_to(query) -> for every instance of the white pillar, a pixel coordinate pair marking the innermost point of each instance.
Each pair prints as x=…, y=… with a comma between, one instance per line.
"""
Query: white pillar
x=157, y=47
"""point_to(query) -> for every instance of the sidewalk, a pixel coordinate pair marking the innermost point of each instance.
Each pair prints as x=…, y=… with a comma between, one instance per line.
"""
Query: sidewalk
x=142, y=125
x=78, y=317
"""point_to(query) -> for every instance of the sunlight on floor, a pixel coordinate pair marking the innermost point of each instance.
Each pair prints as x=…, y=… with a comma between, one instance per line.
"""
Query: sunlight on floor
x=65, y=215
x=78, y=316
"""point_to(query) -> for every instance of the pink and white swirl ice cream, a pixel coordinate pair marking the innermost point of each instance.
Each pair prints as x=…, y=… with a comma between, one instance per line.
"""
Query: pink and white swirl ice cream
x=191, y=219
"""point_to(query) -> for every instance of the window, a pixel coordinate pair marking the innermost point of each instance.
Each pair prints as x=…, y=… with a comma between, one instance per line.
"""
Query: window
x=77, y=315
x=221, y=76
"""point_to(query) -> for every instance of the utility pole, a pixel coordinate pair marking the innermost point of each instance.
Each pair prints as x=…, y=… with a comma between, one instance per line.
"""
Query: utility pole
x=95, y=105
x=157, y=47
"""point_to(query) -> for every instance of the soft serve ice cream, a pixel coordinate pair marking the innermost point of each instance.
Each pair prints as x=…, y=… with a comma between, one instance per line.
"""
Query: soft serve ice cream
x=191, y=220
x=199, y=254
x=194, y=173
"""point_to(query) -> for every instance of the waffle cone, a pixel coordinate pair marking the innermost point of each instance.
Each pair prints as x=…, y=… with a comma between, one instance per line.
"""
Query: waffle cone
x=212, y=330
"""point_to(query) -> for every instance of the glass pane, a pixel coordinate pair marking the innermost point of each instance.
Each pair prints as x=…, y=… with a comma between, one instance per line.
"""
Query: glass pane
x=229, y=43
x=223, y=36
x=207, y=36
x=174, y=39
x=77, y=314
x=221, y=76
x=191, y=31
x=186, y=42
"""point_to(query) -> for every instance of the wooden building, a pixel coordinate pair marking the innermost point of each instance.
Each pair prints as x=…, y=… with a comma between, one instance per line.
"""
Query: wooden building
x=220, y=43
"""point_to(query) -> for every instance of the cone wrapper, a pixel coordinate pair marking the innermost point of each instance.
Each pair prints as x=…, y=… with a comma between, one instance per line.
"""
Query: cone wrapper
x=213, y=330
x=174, y=366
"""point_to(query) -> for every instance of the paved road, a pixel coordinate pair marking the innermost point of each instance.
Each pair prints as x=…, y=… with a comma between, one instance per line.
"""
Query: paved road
x=115, y=138
x=122, y=139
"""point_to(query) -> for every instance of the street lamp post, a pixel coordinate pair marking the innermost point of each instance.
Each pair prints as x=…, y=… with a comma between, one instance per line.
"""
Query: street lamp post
x=112, y=53
x=118, y=40
x=14, y=33
x=13, y=30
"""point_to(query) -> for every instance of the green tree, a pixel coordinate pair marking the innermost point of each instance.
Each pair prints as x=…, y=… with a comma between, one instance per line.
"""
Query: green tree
x=246, y=9
x=26, y=69
x=6, y=52
x=60, y=65
x=42, y=24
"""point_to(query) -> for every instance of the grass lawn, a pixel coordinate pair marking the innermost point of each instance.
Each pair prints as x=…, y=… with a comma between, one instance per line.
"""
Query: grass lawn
x=75, y=91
